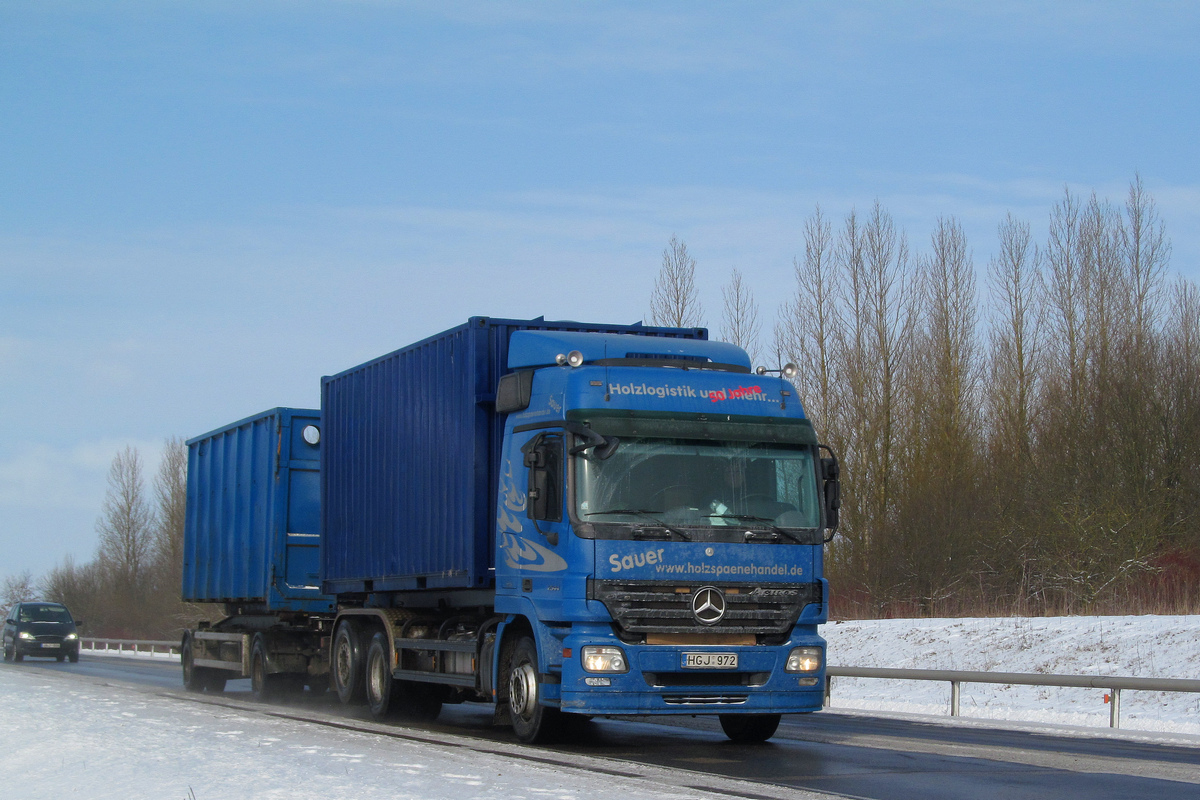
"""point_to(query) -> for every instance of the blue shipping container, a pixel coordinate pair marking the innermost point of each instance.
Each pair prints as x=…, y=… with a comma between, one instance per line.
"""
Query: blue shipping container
x=252, y=529
x=410, y=457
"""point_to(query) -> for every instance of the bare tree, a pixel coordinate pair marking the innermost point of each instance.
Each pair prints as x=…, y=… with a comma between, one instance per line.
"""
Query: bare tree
x=1147, y=252
x=675, y=301
x=1014, y=276
x=809, y=322
x=80, y=589
x=940, y=475
x=126, y=530
x=18, y=589
x=740, y=321
x=170, y=490
x=875, y=343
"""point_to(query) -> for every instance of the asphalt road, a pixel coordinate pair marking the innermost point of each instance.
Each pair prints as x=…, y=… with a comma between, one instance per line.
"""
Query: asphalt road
x=849, y=755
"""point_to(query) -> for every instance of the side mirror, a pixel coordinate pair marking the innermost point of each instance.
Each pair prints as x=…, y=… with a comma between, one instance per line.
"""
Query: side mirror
x=831, y=473
x=79, y=624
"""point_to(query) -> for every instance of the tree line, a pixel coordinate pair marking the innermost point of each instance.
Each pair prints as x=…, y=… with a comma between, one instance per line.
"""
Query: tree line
x=1028, y=445
x=130, y=589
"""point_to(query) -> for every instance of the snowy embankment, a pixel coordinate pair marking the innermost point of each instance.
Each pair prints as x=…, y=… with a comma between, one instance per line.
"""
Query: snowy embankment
x=1144, y=646
x=71, y=736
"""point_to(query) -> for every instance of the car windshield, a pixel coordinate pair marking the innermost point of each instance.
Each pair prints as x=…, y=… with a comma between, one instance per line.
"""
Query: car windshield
x=45, y=613
x=687, y=482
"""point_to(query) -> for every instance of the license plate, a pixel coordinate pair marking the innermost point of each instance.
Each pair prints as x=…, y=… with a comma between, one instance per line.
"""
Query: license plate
x=710, y=660
x=51, y=644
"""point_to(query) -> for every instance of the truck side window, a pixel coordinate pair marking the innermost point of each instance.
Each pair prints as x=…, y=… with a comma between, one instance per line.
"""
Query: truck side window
x=544, y=457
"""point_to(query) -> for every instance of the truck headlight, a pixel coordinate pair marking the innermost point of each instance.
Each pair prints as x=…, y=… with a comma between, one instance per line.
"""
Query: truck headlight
x=25, y=635
x=804, y=659
x=71, y=636
x=598, y=658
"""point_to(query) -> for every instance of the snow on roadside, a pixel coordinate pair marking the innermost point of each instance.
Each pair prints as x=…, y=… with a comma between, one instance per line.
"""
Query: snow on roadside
x=65, y=737
x=1141, y=646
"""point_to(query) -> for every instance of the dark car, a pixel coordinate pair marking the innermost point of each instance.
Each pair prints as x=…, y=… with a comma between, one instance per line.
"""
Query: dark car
x=45, y=630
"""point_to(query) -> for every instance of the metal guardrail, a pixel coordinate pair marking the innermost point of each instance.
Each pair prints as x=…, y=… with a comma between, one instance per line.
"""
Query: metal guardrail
x=128, y=645
x=1114, y=684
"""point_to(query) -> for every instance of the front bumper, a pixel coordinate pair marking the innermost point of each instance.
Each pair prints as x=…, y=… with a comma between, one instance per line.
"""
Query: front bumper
x=46, y=647
x=657, y=683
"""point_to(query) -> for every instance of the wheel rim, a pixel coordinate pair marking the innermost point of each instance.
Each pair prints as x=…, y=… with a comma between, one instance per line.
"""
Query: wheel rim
x=341, y=661
x=522, y=690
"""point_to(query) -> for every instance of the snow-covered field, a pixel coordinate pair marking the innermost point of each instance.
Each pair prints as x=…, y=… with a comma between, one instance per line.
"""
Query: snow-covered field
x=64, y=735
x=1144, y=646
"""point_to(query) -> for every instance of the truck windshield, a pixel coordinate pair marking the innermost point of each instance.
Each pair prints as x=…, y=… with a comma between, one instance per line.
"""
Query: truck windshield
x=686, y=482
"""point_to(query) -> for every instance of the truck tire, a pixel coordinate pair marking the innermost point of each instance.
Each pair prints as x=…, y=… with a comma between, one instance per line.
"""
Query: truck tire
x=346, y=668
x=382, y=690
x=193, y=679
x=265, y=686
x=749, y=728
x=532, y=722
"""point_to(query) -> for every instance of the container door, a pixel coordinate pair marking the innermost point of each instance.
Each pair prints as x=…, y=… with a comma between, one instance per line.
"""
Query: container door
x=303, y=555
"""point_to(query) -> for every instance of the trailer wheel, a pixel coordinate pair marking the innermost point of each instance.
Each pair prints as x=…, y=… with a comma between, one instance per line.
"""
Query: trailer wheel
x=265, y=686
x=532, y=722
x=346, y=664
x=748, y=728
x=193, y=678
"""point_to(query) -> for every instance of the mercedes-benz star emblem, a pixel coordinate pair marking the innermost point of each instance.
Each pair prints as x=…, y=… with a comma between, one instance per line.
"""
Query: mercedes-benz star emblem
x=708, y=605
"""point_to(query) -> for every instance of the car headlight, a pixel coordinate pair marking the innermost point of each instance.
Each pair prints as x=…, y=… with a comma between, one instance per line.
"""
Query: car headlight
x=804, y=659
x=71, y=636
x=598, y=658
x=25, y=635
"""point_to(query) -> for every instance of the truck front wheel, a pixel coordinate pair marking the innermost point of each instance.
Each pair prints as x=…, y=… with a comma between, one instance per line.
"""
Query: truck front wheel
x=749, y=727
x=532, y=722
x=346, y=664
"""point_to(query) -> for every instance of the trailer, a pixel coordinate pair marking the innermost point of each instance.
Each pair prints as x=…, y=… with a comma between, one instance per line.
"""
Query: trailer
x=252, y=544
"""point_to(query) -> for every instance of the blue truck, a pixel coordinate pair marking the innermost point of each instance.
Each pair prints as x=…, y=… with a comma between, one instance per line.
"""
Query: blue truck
x=555, y=518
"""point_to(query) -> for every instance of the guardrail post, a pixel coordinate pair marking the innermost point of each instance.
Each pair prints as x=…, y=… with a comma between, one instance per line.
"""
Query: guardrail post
x=1114, y=711
x=954, y=691
x=828, y=689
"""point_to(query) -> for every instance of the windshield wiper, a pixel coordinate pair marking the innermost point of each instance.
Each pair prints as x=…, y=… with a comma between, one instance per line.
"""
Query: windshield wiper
x=639, y=533
x=766, y=521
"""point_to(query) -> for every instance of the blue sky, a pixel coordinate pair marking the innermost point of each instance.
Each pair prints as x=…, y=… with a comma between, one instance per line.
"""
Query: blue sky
x=204, y=207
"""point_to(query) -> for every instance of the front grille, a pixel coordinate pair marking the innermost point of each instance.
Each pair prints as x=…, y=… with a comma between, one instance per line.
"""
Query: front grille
x=645, y=607
x=705, y=700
